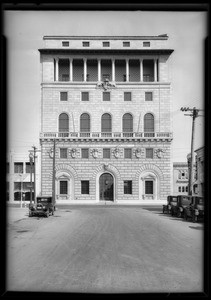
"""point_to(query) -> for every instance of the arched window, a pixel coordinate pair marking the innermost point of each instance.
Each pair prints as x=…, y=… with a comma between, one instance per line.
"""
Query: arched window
x=148, y=123
x=85, y=123
x=63, y=123
x=127, y=122
x=106, y=123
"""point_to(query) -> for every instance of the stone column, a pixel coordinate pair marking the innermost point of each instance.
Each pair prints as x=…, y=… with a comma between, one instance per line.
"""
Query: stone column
x=141, y=70
x=71, y=69
x=57, y=69
x=155, y=69
x=113, y=69
x=85, y=69
x=99, y=70
x=127, y=70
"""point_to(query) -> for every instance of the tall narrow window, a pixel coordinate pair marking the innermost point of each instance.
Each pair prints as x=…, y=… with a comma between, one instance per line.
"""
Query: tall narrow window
x=63, y=152
x=63, y=187
x=85, y=123
x=128, y=187
x=148, y=123
x=148, y=187
x=149, y=152
x=63, y=123
x=128, y=153
x=106, y=96
x=106, y=153
x=85, y=187
x=106, y=123
x=127, y=125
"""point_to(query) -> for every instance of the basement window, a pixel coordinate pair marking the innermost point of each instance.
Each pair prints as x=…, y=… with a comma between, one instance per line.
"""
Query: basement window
x=126, y=44
x=106, y=44
x=65, y=44
x=85, y=44
x=146, y=44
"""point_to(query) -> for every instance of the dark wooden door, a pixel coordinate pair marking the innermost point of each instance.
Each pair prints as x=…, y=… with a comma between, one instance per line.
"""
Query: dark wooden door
x=106, y=187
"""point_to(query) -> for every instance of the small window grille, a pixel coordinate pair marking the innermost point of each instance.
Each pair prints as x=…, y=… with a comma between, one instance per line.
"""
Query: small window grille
x=85, y=96
x=149, y=153
x=85, y=44
x=106, y=153
x=126, y=44
x=18, y=167
x=146, y=44
x=127, y=96
x=148, y=96
x=106, y=96
x=63, y=96
x=85, y=187
x=63, y=152
x=85, y=153
x=149, y=187
x=65, y=44
x=128, y=187
x=63, y=187
x=106, y=44
x=128, y=153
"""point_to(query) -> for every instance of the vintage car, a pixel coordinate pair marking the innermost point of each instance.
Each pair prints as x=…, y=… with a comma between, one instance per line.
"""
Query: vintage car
x=44, y=206
x=182, y=202
x=171, y=201
x=195, y=210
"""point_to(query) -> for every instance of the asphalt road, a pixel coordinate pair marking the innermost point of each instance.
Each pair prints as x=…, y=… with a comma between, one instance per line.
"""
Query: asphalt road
x=105, y=249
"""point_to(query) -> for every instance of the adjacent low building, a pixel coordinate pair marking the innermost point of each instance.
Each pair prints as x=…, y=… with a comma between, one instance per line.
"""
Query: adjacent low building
x=180, y=178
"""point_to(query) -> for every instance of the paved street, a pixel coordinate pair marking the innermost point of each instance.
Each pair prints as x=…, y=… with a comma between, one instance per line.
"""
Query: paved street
x=104, y=249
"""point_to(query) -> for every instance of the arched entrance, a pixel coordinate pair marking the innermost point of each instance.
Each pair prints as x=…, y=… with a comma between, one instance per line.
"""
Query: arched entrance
x=106, y=187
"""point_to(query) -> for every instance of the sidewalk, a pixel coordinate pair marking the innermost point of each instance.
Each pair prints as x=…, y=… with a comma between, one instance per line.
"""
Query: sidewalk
x=16, y=213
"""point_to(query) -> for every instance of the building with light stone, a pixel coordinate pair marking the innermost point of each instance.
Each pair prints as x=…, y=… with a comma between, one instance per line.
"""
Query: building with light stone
x=106, y=102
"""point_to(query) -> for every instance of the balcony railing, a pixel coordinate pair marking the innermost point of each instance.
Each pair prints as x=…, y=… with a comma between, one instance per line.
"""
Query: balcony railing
x=103, y=135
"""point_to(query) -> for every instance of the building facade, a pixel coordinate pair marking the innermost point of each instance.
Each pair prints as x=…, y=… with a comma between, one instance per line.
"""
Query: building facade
x=180, y=178
x=199, y=183
x=106, y=103
x=19, y=177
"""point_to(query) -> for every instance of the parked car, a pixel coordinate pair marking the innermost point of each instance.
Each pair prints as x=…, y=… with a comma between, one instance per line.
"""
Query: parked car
x=182, y=202
x=171, y=201
x=44, y=206
x=195, y=210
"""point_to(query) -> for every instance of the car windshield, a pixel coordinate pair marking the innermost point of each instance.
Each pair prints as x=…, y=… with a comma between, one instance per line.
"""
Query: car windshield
x=44, y=200
x=185, y=202
x=174, y=199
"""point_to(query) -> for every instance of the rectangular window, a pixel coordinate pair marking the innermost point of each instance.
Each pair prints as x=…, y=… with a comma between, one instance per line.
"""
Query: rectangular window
x=85, y=187
x=128, y=152
x=106, y=96
x=179, y=188
x=106, y=44
x=149, y=153
x=85, y=96
x=85, y=153
x=106, y=153
x=85, y=44
x=149, y=187
x=126, y=44
x=146, y=44
x=65, y=44
x=17, y=186
x=127, y=96
x=18, y=167
x=28, y=168
x=183, y=189
x=128, y=187
x=63, y=152
x=186, y=188
x=148, y=96
x=63, y=187
x=63, y=96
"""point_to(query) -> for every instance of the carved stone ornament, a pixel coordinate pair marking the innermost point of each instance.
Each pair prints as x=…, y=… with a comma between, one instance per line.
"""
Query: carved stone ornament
x=73, y=152
x=95, y=153
x=116, y=152
x=159, y=153
x=106, y=84
x=50, y=152
x=139, y=152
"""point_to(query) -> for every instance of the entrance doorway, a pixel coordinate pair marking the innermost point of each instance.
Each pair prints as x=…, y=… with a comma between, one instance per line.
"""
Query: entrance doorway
x=106, y=183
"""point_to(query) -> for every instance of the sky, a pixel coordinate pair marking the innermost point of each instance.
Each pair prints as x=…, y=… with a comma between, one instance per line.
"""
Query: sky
x=24, y=31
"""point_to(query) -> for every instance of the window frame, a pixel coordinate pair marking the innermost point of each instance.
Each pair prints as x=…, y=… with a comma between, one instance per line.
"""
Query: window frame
x=66, y=187
x=126, y=44
x=83, y=151
x=147, y=94
x=146, y=44
x=85, y=43
x=128, y=187
x=126, y=156
x=65, y=43
x=127, y=93
x=63, y=93
x=85, y=190
x=60, y=153
x=147, y=151
x=106, y=93
x=106, y=150
x=106, y=44
x=83, y=94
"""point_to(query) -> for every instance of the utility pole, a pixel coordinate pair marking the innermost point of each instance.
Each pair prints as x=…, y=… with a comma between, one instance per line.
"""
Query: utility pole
x=35, y=151
x=54, y=172
x=194, y=113
x=31, y=163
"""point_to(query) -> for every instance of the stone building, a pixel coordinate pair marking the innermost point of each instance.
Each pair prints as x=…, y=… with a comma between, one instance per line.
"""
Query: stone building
x=106, y=102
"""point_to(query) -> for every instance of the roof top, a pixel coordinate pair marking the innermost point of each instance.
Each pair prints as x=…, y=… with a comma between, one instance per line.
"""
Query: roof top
x=56, y=37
